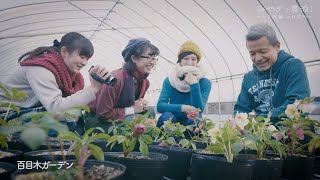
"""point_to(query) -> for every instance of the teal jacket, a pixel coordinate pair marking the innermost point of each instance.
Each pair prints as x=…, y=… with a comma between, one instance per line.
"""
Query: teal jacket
x=274, y=89
x=171, y=99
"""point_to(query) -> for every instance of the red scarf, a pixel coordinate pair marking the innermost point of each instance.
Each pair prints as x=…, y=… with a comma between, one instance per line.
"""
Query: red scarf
x=141, y=76
x=68, y=83
x=129, y=94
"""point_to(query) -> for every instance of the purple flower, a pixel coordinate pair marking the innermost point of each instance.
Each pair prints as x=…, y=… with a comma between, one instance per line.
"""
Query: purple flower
x=300, y=133
x=277, y=136
x=139, y=129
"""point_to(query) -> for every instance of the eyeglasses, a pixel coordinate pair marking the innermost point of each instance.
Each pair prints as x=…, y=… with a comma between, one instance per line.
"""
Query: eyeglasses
x=150, y=58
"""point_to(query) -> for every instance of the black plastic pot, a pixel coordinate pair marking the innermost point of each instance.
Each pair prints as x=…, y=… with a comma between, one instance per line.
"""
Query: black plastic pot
x=178, y=163
x=298, y=168
x=317, y=165
x=9, y=168
x=201, y=145
x=17, y=144
x=88, y=164
x=12, y=159
x=141, y=169
x=206, y=167
x=33, y=156
x=269, y=169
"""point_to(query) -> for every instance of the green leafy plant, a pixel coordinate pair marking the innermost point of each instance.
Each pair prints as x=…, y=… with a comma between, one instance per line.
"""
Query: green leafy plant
x=315, y=138
x=12, y=95
x=172, y=135
x=140, y=130
x=35, y=132
x=225, y=141
x=296, y=125
x=199, y=131
x=83, y=148
x=261, y=135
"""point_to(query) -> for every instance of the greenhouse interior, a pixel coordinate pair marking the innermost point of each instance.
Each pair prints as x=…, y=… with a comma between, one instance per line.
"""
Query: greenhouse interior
x=219, y=89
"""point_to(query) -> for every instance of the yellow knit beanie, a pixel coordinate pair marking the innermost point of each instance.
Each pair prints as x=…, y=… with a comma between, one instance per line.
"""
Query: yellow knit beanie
x=190, y=46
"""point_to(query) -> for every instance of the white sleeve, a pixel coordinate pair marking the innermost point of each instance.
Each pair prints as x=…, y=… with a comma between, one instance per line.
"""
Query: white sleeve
x=129, y=110
x=43, y=83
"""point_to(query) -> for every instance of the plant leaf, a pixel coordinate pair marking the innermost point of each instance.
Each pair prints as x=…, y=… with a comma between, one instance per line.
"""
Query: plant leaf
x=85, y=137
x=148, y=139
x=184, y=143
x=96, y=152
x=6, y=130
x=71, y=136
x=121, y=139
x=143, y=147
x=98, y=136
x=6, y=92
x=38, y=137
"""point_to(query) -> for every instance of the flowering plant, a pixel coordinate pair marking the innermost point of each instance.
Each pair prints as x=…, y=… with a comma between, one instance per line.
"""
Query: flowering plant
x=225, y=140
x=259, y=134
x=141, y=129
x=172, y=134
x=199, y=131
x=296, y=125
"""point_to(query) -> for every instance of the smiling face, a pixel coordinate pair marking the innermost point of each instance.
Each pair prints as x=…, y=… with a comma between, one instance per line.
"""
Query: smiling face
x=262, y=53
x=73, y=60
x=189, y=60
x=145, y=62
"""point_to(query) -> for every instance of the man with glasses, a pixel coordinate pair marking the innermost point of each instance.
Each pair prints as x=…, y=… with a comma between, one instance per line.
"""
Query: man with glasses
x=126, y=98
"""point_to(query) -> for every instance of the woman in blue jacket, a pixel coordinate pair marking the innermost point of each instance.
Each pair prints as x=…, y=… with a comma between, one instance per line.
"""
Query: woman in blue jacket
x=185, y=89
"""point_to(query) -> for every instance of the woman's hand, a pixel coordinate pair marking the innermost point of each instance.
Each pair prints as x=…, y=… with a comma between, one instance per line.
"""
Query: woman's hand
x=188, y=108
x=100, y=71
x=190, y=78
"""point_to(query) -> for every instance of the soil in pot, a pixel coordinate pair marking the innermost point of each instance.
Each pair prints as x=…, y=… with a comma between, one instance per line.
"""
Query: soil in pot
x=10, y=156
x=95, y=170
x=139, y=167
x=45, y=155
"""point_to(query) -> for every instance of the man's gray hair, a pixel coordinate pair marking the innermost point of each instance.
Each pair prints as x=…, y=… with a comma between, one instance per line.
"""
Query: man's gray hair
x=257, y=31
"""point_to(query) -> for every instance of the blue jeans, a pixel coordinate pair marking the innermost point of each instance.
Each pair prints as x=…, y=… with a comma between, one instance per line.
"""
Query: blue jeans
x=167, y=115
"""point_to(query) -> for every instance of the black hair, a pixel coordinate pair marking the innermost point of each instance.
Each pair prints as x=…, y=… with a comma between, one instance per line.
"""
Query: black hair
x=184, y=54
x=130, y=66
x=72, y=41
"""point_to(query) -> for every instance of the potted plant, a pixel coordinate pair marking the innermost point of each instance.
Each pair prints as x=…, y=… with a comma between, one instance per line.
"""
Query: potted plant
x=314, y=146
x=198, y=132
x=226, y=143
x=81, y=149
x=8, y=155
x=174, y=144
x=294, y=127
x=262, y=137
x=140, y=165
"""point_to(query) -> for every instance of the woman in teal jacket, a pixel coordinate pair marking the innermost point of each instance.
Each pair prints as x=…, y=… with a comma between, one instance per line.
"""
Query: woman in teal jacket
x=185, y=89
